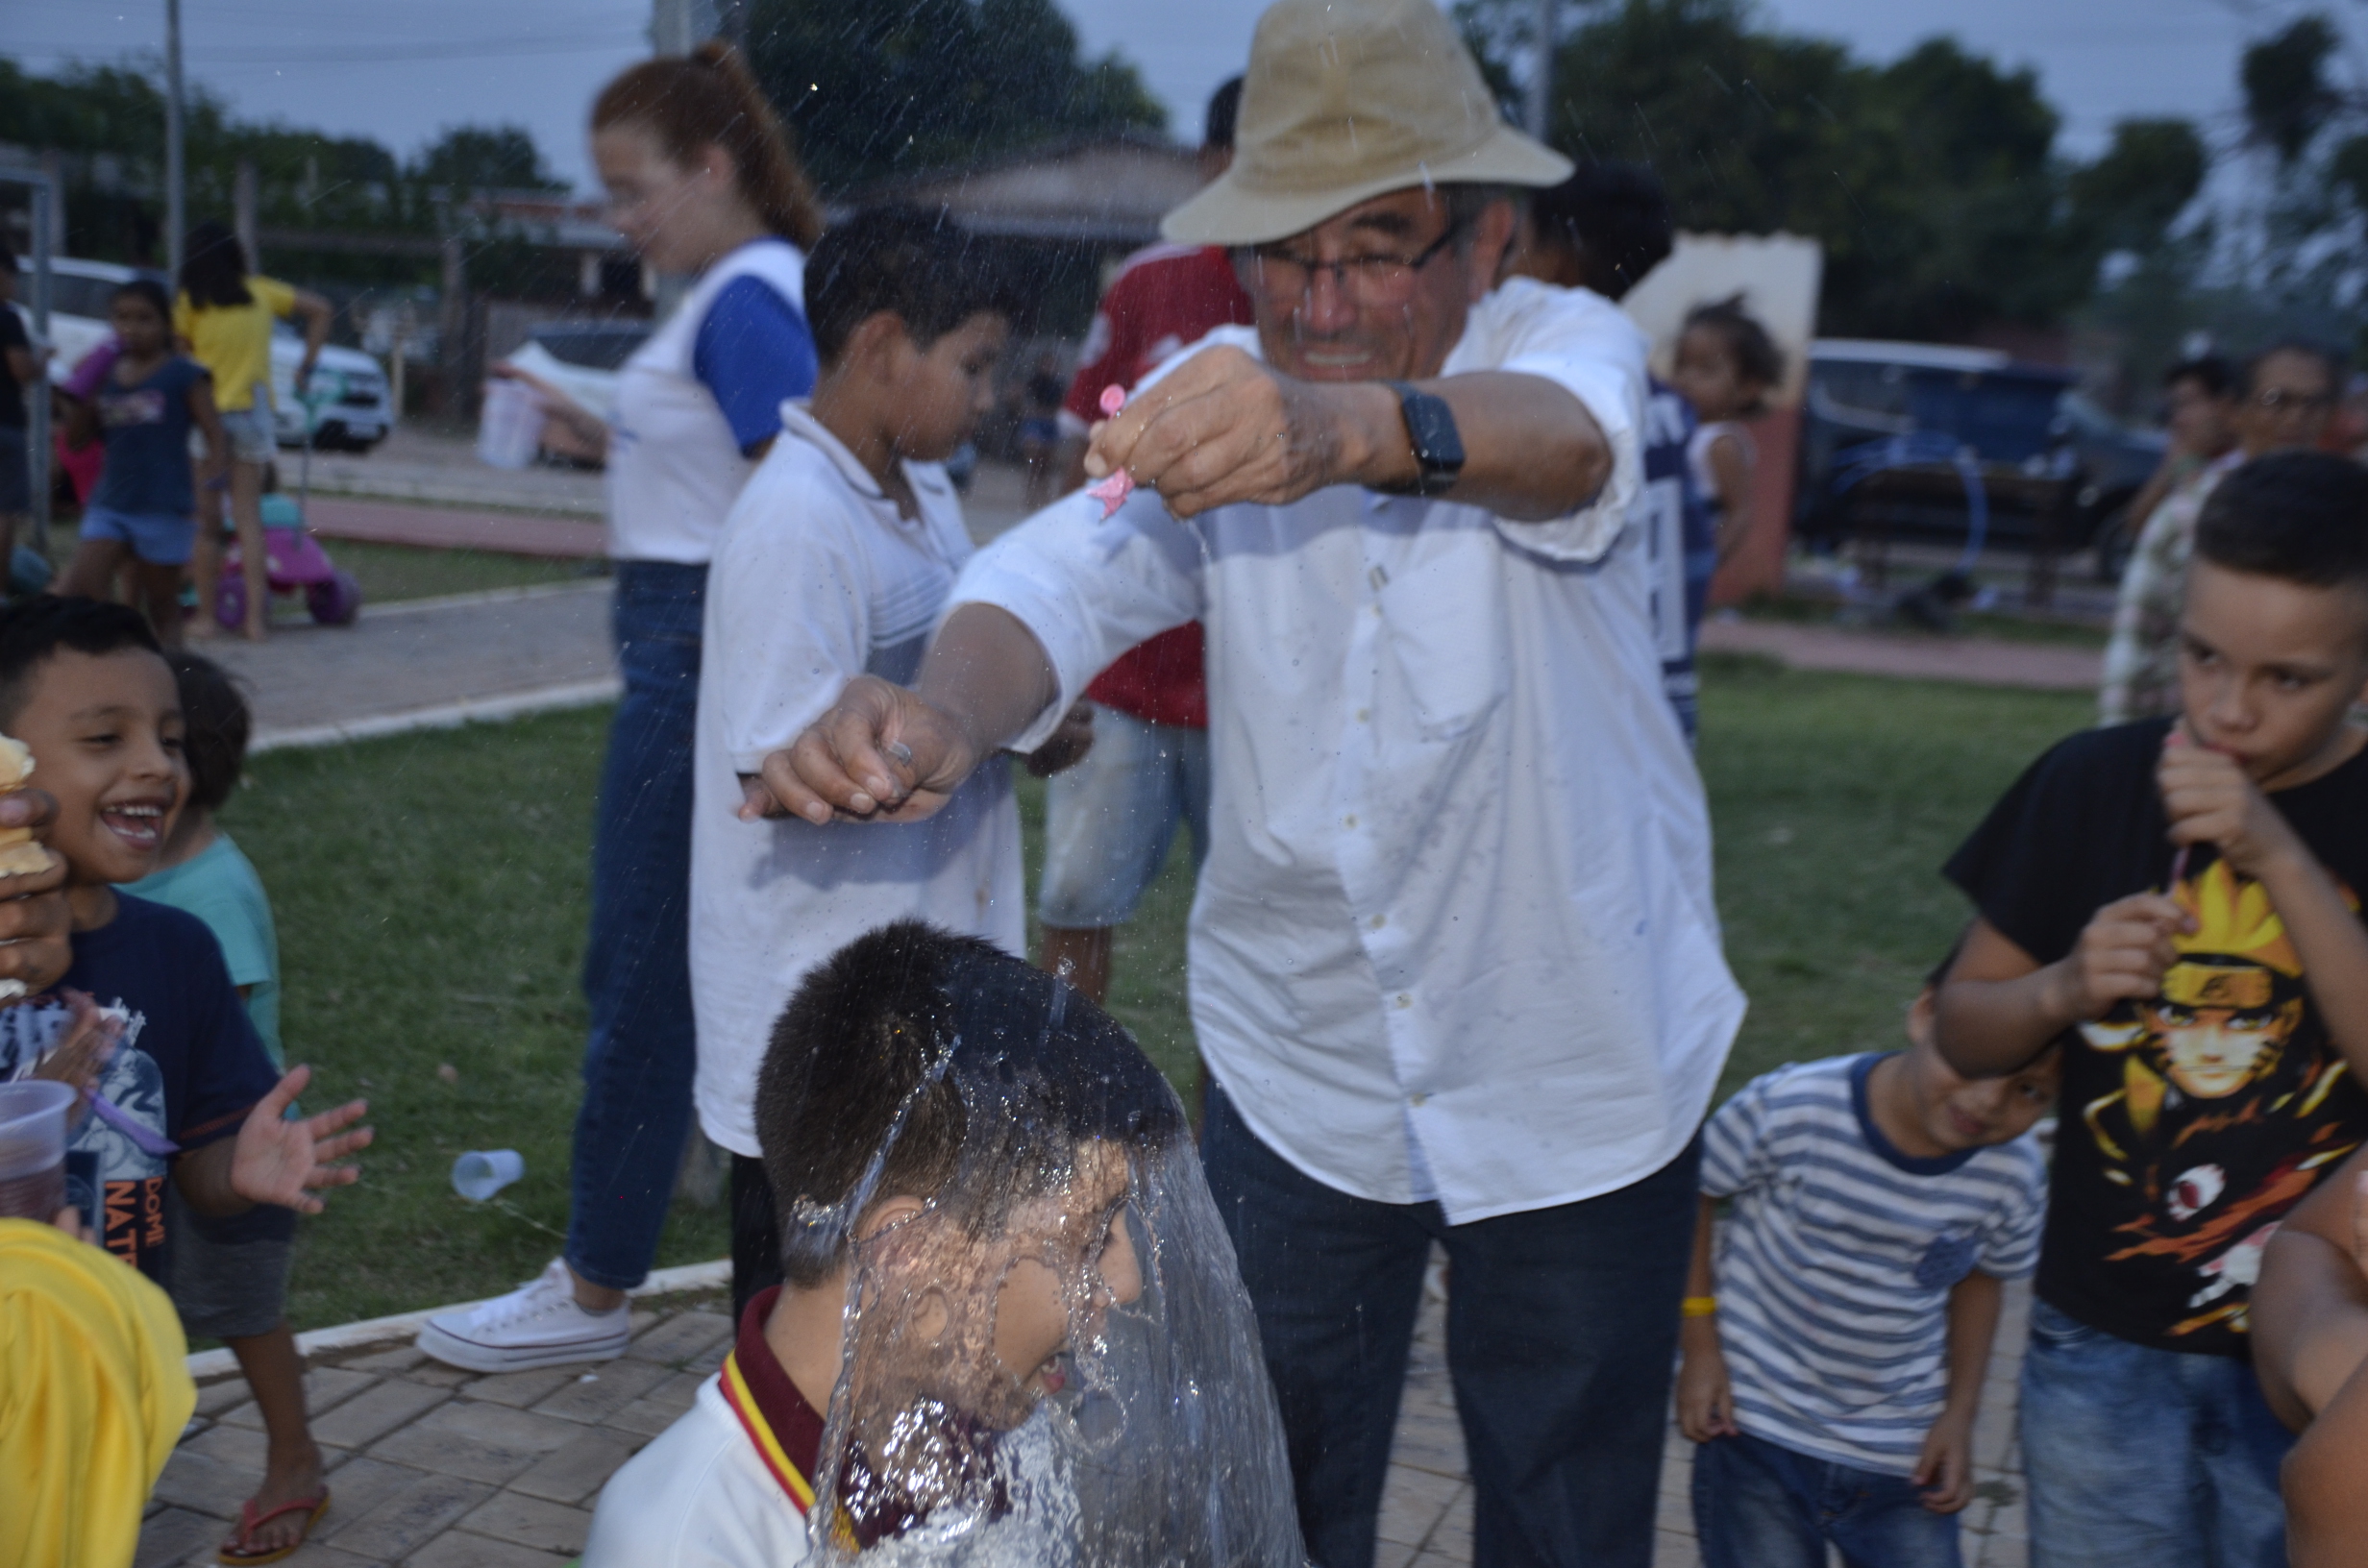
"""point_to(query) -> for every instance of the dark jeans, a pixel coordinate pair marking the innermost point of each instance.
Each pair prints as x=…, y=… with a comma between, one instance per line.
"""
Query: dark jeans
x=1760, y=1504
x=638, y=1063
x=1562, y=1332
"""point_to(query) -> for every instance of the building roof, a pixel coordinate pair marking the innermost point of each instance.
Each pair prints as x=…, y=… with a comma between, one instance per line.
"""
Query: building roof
x=1107, y=190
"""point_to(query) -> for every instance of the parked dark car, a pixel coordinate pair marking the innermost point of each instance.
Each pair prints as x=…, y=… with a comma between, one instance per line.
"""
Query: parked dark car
x=1897, y=439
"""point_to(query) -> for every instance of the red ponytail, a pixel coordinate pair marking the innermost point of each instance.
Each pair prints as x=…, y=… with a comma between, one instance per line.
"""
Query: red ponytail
x=710, y=100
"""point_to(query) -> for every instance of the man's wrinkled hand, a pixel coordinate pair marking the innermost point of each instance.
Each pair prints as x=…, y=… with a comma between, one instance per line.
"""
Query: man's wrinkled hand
x=881, y=754
x=1069, y=745
x=283, y=1161
x=35, y=947
x=1223, y=428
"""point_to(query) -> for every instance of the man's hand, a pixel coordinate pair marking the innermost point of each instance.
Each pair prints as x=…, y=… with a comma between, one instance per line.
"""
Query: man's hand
x=2211, y=800
x=881, y=754
x=1945, y=1467
x=35, y=950
x=1705, y=1397
x=1225, y=429
x=282, y=1161
x=1069, y=745
x=2120, y=957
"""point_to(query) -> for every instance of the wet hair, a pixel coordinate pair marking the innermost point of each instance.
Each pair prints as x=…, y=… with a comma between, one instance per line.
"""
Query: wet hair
x=708, y=99
x=2212, y=372
x=2300, y=517
x=2328, y=361
x=149, y=289
x=1224, y=108
x=917, y=265
x=1757, y=359
x=35, y=629
x=213, y=267
x=963, y=1061
x=219, y=726
x=1615, y=215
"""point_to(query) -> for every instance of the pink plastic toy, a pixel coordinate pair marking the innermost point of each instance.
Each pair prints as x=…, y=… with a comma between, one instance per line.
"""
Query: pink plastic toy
x=1113, y=491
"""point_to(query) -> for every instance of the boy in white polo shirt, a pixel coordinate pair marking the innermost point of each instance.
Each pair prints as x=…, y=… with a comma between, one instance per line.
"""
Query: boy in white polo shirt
x=835, y=561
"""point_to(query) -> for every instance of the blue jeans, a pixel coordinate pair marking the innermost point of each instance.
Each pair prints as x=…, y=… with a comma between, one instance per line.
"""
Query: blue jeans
x=1760, y=1504
x=642, y=1051
x=2140, y=1458
x=1562, y=1333
x=1109, y=819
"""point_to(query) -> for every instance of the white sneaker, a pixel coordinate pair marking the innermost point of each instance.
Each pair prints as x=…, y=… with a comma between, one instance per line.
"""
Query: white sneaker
x=538, y=1324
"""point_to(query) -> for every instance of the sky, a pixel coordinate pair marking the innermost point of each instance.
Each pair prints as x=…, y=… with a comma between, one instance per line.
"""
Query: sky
x=401, y=72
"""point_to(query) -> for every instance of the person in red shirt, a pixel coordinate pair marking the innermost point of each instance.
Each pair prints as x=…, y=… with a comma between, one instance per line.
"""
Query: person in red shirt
x=1109, y=819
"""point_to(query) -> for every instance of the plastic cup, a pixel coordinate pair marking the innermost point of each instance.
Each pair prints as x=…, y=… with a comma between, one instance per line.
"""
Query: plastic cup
x=510, y=429
x=33, y=1124
x=480, y=1173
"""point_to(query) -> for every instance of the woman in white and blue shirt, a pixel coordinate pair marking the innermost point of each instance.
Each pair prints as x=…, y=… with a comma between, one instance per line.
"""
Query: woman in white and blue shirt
x=702, y=181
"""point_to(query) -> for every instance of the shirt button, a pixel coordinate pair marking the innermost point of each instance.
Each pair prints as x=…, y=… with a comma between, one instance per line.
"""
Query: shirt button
x=1417, y=1098
x=1349, y=820
x=1405, y=1000
x=1364, y=716
x=1380, y=920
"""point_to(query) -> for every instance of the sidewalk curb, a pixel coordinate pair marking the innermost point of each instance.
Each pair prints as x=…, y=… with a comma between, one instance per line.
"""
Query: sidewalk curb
x=372, y=1330
x=579, y=694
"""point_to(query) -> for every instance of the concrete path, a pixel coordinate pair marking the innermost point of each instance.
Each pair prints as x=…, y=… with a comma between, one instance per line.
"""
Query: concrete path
x=1980, y=661
x=454, y=528
x=431, y=1467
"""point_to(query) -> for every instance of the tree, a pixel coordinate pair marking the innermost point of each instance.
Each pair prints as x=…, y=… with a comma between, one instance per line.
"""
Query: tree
x=475, y=158
x=880, y=89
x=2126, y=200
x=2287, y=97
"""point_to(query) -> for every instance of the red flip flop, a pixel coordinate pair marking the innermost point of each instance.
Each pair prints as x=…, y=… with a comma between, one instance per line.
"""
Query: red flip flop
x=250, y=1521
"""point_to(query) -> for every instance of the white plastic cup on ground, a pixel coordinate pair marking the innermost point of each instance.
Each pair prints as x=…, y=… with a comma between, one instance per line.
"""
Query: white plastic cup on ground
x=33, y=1126
x=480, y=1173
x=510, y=429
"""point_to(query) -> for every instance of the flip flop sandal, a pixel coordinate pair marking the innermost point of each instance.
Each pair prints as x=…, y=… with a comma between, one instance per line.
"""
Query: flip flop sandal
x=250, y=1521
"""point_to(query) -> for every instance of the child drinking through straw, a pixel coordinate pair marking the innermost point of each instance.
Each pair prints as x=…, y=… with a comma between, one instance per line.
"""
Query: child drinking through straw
x=143, y=513
x=1727, y=366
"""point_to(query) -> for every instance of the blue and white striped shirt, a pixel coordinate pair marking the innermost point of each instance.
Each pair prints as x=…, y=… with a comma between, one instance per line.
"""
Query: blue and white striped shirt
x=1834, y=1271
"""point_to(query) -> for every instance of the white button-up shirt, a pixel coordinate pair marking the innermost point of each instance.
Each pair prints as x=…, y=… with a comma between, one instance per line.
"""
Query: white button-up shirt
x=1454, y=936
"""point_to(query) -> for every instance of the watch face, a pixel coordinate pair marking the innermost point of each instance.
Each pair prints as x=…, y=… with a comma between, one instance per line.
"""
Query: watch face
x=1438, y=447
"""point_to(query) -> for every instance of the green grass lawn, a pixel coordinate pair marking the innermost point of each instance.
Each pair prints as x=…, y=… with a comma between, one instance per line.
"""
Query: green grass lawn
x=430, y=890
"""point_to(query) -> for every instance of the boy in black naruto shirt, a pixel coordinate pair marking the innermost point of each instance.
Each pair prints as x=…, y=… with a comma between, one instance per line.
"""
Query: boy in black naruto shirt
x=2178, y=902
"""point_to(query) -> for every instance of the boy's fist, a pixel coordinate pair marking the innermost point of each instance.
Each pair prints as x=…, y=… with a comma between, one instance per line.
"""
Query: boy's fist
x=2211, y=800
x=2120, y=957
x=1945, y=1467
x=282, y=1161
x=1705, y=1397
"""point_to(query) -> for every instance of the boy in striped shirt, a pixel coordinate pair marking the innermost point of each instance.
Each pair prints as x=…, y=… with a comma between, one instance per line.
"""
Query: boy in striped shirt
x=1833, y=1353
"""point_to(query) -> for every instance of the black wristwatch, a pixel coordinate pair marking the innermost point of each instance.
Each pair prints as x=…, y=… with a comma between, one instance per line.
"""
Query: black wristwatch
x=1439, y=449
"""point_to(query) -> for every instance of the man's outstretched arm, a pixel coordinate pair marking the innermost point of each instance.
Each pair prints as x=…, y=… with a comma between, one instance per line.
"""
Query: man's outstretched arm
x=888, y=753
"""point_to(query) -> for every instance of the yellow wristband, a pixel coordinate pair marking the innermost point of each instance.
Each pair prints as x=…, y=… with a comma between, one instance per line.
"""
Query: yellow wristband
x=1697, y=1306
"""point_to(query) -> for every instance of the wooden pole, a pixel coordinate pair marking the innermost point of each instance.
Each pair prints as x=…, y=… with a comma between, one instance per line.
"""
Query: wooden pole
x=176, y=194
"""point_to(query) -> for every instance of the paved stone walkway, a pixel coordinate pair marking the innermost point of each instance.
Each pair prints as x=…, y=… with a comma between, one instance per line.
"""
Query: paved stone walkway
x=437, y=1468
x=1980, y=661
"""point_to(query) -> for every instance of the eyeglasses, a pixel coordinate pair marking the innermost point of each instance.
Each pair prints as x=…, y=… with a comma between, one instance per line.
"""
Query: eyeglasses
x=2276, y=400
x=1280, y=275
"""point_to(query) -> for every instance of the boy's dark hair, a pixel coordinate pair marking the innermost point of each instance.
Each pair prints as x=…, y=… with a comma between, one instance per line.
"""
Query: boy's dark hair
x=149, y=289
x=919, y=266
x=1757, y=357
x=1615, y=216
x=2297, y=516
x=977, y=1064
x=1224, y=108
x=219, y=726
x=32, y=630
x=2212, y=372
x=2328, y=361
x=214, y=271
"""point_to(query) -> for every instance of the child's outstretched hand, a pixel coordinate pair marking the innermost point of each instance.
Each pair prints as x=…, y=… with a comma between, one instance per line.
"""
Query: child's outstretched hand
x=1705, y=1397
x=2121, y=955
x=1945, y=1467
x=2211, y=800
x=282, y=1161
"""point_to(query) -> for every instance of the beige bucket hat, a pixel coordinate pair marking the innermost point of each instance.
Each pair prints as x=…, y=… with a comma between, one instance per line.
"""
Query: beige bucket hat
x=1348, y=99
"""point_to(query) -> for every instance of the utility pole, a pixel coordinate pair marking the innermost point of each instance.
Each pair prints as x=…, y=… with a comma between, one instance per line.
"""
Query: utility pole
x=176, y=195
x=1540, y=102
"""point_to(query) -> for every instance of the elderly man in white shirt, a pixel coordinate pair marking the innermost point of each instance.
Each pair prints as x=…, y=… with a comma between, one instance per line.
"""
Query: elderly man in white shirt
x=1454, y=961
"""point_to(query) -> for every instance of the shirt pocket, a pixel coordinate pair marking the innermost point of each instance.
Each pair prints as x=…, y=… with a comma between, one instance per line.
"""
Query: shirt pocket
x=1444, y=619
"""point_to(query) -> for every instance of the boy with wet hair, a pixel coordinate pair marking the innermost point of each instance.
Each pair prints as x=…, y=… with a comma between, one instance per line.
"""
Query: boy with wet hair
x=1835, y=1351
x=2175, y=903
x=981, y=1173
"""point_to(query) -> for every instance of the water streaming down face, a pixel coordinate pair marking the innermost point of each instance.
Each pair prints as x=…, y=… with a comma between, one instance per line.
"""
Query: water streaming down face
x=1052, y=1360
